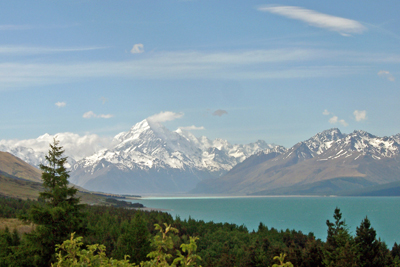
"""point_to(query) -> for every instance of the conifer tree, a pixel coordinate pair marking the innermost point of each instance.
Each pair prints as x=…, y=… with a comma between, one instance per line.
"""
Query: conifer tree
x=135, y=242
x=59, y=215
x=340, y=249
x=372, y=252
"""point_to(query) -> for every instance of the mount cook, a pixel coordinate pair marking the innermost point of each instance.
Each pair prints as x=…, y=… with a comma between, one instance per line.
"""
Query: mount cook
x=151, y=159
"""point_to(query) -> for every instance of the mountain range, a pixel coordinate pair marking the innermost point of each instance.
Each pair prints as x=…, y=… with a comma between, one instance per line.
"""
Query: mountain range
x=150, y=159
x=328, y=163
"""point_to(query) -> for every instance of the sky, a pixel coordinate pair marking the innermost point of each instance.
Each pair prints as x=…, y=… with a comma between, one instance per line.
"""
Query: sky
x=278, y=71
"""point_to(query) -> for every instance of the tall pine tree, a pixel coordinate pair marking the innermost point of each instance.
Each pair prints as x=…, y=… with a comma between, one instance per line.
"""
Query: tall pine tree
x=372, y=252
x=60, y=213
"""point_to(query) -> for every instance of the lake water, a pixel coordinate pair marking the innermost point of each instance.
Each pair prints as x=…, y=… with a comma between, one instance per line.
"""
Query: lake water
x=307, y=214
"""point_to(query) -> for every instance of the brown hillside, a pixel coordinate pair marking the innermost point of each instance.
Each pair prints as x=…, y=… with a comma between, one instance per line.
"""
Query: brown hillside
x=16, y=167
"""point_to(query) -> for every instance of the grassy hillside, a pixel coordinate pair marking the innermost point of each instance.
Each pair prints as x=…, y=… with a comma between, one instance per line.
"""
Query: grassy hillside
x=18, y=179
x=15, y=187
x=18, y=168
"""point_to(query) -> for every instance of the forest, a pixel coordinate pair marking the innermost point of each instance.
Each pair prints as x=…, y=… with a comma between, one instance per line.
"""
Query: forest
x=68, y=233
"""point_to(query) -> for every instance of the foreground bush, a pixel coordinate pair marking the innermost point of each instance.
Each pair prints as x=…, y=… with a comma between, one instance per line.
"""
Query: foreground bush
x=95, y=255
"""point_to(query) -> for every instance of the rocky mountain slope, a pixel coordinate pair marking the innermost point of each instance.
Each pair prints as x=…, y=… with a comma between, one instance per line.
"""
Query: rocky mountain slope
x=328, y=163
x=149, y=158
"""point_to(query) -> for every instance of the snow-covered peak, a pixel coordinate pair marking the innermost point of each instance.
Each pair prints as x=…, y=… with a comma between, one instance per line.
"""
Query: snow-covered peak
x=368, y=144
x=322, y=141
x=396, y=137
x=207, y=143
x=150, y=145
x=276, y=148
x=190, y=137
x=134, y=132
x=221, y=144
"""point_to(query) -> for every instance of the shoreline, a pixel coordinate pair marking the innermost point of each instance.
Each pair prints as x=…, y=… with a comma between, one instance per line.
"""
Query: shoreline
x=218, y=196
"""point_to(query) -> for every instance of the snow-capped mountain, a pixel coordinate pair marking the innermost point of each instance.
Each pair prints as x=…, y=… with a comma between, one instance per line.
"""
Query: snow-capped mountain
x=30, y=156
x=327, y=162
x=321, y=142
x=76, y=147
x=149, y=158
x=361, y=143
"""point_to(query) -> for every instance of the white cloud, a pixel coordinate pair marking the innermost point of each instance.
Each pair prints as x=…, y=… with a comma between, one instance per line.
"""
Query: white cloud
x=360, y=115
x=341, y=25
x=386, y=74
x=219, y=112
x=192, y=128
x=91, y=114
x=335, y=120
x=165, y=116
x=105, y=116
x=137, y=49
x=61, y=104
x=75, y=146
x=343, y=122
x=326, y=112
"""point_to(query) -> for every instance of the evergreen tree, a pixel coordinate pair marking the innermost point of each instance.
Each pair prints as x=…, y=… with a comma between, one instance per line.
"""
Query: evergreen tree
x=395, y=251
x=372, y=252
x=135, y=242
x=334, y=229
x=340, y=249
x=59, y=215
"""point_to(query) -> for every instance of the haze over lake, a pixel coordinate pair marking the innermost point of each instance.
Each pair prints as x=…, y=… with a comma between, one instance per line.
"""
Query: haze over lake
x=306, y=214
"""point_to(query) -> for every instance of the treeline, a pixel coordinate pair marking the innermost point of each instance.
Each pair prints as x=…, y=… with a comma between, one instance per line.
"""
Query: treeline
x=129, y=232
x=10, y=207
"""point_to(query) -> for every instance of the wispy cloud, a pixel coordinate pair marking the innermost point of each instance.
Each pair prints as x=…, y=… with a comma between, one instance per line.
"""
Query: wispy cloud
x=137, y=49
x=31, y=50
x=219, y=112
x=21, y=27
x=387, y=75
x=338, y=24
x=165, y=116
x=91, y=114
x=233, y=65
x=192, y=128
x=360, y=115
x=11, y=27
x=61, y=104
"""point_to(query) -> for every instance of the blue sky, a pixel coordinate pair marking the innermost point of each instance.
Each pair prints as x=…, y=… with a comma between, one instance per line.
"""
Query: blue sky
x=279, y=71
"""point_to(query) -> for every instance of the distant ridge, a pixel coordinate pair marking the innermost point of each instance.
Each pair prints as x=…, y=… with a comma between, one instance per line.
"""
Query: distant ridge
x=328, y=163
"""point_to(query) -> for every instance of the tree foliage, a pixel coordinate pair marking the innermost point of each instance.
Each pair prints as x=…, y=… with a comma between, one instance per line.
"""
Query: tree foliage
x=70, y=253
x=60, y=213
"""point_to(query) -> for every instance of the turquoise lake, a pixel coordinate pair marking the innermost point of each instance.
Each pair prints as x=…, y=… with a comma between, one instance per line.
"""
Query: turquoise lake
x=306, y=214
